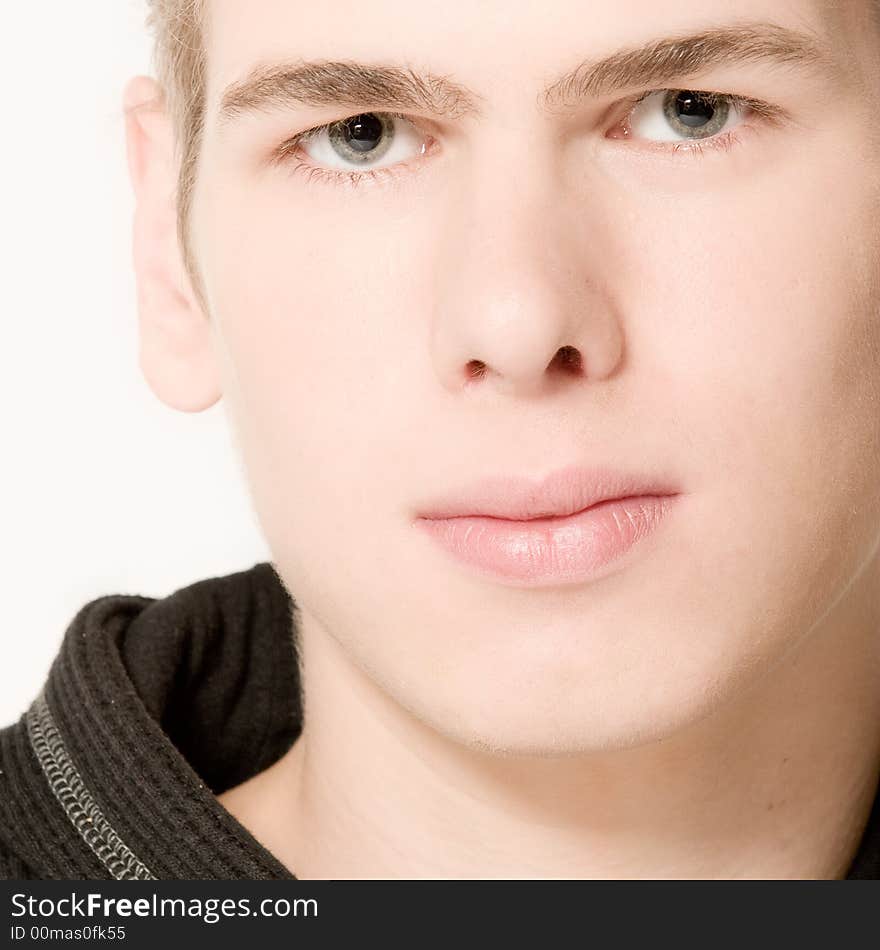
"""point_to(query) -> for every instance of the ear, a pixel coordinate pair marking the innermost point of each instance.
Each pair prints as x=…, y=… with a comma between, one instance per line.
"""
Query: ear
x=176, y=353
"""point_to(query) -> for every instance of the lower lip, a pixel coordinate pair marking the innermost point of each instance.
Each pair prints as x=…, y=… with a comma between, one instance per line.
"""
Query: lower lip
x=550, y=551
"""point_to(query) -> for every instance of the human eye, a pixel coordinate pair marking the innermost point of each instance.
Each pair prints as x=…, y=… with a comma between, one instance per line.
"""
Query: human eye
x=361, y=147
x=676, y=120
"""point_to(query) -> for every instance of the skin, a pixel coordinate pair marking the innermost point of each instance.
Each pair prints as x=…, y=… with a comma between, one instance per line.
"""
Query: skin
x=707, y=710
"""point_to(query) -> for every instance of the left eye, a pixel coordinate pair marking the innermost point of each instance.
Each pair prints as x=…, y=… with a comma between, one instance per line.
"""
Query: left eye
x=688, y=115
x=369, y=140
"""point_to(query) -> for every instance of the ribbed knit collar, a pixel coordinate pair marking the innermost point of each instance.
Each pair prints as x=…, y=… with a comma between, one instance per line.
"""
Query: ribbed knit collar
x=152, y=707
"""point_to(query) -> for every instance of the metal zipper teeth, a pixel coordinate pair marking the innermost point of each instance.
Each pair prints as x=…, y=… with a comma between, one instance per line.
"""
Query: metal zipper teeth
x=75, y=798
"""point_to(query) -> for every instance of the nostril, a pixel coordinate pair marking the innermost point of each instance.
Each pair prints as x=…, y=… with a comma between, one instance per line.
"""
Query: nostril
x=476, y=369
x=569, y=358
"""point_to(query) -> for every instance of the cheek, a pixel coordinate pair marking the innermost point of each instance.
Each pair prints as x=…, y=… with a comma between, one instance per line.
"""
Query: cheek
x=319, y=338
x=762, y=329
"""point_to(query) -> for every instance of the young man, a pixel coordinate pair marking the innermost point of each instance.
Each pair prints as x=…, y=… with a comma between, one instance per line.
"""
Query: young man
x=550, y=340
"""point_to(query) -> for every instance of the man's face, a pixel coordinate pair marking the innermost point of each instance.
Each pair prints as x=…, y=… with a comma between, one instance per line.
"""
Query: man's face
x=724, y=305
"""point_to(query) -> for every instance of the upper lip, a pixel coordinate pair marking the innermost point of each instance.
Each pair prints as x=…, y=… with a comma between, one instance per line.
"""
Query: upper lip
x=562, y=492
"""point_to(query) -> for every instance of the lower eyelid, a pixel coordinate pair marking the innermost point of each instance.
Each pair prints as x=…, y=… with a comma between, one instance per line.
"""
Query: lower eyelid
x=341, y=177
x=335, y=176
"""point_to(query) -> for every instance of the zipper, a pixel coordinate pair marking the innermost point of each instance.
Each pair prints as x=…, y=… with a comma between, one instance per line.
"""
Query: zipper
x=76, y=799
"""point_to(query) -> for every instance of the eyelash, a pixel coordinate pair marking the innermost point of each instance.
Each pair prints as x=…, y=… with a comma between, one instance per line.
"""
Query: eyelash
x=285, y=154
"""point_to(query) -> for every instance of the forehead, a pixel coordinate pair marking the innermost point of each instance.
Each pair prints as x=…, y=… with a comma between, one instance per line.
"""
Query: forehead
x=475, y=33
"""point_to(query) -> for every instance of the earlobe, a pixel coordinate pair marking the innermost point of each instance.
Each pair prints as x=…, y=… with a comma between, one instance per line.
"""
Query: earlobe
x=177, y=355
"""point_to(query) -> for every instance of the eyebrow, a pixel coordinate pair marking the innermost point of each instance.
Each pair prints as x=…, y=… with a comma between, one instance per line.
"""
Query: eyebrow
x=400, y=88
x=666, y=60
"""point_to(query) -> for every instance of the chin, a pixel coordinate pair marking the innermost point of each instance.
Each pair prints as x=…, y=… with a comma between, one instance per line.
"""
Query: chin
x=540, y=726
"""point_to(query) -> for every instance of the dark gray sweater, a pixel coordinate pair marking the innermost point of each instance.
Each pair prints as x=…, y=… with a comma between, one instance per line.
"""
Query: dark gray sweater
x=151, y=708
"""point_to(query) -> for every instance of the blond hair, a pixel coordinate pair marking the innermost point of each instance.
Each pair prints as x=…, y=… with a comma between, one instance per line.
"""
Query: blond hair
x=179, y=62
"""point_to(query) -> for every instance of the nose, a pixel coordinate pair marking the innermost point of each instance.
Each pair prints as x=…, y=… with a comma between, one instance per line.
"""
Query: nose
x=522, y=301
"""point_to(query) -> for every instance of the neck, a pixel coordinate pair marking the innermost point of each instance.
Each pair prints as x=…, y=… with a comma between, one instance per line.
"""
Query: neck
x=777, y=784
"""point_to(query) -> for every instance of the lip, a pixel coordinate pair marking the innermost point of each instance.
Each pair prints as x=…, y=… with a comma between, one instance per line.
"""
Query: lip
x=562, y=529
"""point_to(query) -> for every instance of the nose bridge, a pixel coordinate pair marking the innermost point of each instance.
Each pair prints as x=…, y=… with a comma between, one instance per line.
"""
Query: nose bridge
x=506, y=214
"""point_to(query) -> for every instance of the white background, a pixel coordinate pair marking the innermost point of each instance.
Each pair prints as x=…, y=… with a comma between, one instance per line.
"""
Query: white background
x=103, y=489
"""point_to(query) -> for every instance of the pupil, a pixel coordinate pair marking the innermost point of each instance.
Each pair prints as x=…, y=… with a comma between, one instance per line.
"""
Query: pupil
x=362, y=133
x=693, y=110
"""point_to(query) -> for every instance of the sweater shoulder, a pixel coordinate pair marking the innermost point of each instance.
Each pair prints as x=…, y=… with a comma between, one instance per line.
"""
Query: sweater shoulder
x=12, y=867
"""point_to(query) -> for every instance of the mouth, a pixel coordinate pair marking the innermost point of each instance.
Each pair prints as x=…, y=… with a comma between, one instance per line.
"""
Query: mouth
x=563, y=529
